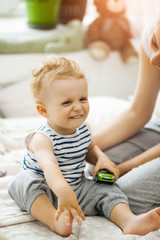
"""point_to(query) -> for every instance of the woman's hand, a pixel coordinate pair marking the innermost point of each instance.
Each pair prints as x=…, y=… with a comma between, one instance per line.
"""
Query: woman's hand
x=105, y=163
x=68, y=204
x=140, y=159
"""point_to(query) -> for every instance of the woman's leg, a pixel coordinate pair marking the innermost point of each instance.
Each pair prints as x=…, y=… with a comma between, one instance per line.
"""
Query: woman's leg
x=142, y=184
x=133, y=146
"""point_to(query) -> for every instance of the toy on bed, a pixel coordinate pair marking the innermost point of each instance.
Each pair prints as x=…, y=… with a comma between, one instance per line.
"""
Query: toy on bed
x=111, y=31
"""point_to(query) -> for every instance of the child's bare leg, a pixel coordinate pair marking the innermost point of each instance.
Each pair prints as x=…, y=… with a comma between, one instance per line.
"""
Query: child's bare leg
x=142, y=224
x=43, y=210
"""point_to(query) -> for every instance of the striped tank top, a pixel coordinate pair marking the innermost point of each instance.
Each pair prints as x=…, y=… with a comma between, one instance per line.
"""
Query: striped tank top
x=69, y=150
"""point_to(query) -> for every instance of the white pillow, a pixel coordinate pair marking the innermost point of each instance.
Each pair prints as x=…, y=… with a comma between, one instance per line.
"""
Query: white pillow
x=103, y=109
x=16, y=100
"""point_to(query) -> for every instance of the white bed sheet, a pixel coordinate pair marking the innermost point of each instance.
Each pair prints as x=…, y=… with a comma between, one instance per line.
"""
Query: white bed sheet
x=18, y=225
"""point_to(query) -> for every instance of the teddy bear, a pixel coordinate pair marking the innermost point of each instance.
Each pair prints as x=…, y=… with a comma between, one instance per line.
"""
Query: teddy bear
x=111, y=31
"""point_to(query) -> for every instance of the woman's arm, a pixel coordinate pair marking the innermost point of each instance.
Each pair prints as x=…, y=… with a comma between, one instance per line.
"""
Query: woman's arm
x=140, y=112
x=142, y=158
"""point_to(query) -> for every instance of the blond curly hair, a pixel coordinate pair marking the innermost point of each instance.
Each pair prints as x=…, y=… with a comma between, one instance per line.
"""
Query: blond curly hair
x=51, y=69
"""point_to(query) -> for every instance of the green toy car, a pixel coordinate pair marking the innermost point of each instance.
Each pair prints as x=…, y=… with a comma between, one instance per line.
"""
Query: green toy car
x=103, y=175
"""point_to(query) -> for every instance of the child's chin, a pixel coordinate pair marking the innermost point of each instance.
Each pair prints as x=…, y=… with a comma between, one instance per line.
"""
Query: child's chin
x=77, y=122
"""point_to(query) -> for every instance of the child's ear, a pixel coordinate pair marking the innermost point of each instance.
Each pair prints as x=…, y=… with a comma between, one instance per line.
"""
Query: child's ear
x=42, y=110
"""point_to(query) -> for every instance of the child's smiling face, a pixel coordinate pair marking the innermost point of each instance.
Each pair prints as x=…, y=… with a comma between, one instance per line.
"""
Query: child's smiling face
x=66, y=103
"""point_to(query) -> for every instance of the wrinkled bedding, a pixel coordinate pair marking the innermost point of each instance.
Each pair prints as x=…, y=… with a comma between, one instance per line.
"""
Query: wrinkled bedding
x=18, y=225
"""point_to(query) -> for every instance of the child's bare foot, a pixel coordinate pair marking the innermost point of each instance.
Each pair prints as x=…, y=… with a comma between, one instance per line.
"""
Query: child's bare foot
x=144, y=223
x=61, y=227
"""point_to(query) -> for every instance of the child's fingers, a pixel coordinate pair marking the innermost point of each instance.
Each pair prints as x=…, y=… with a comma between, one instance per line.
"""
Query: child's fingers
x=112, y=169
x=67, y=217
x=95, y=170
x=58, y=213
x=115, y=171
x=81, y=214
x=76, y=216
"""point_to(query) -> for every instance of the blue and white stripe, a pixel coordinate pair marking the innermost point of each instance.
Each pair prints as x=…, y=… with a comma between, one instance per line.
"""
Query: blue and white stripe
x=70, y=151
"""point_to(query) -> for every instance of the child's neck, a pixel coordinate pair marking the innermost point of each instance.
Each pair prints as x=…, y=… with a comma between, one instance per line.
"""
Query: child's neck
x=62, y=131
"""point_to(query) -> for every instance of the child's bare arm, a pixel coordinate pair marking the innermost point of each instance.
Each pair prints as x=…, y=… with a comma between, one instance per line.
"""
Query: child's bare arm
x=42, y=147
x=96, y=157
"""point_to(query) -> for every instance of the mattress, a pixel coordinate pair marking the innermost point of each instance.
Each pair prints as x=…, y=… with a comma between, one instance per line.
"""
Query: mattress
x=18, y=225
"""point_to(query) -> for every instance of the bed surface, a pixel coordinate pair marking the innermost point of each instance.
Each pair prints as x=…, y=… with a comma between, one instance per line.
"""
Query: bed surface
x=18, y=225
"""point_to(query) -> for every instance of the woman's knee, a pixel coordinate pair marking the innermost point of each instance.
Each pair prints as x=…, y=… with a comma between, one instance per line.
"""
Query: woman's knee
x=141, y=185
x=123, y=152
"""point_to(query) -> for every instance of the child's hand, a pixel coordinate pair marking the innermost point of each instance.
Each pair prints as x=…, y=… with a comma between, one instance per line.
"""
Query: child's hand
x=68, y=204
x=105, y=163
